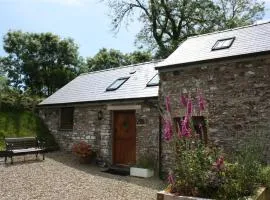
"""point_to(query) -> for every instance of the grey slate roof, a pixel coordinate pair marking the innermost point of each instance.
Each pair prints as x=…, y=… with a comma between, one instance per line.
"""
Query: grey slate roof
x=91, y=87
x=248, y=40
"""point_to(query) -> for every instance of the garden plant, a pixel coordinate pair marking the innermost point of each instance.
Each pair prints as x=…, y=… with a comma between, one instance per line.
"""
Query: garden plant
x=83, y=151
x=202, y=169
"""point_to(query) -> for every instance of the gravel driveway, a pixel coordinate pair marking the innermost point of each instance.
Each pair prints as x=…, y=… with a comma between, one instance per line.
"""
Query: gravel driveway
x=61, y=177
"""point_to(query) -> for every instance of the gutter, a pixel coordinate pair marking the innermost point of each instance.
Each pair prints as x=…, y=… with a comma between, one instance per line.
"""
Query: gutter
x=95, y=102
x=178, y=65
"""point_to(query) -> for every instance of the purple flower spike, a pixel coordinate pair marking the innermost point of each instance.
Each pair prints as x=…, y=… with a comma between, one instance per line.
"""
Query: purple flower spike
x=189, y=107
x=168, y=132
x=183, y=100
x=185, y=127
x=179, y=132
x=201, y=102
x=168, y=104
x=171, y=179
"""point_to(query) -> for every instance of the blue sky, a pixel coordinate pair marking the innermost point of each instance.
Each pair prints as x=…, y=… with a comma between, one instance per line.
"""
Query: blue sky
x=86, y=21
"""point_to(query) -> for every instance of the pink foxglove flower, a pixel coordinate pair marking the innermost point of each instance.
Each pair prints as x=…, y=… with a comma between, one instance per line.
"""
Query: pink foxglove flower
x=189, y=107
x=219, y=164
x=171, y=179
x=179, y=130
x=201, y=102
x=168, y=104
x=168, y=130
x=185, y=127
x=183, y=100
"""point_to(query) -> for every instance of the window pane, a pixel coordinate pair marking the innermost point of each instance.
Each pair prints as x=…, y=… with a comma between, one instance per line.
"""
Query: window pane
x=154, y=81
x=227, y=43
x=219, y=44
x=223, y=44
x=116, y=84
x=66, y=118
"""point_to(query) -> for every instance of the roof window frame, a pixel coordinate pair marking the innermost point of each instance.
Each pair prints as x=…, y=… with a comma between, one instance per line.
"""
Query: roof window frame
x=121, y=78
x=152, y=84
x=214, y=48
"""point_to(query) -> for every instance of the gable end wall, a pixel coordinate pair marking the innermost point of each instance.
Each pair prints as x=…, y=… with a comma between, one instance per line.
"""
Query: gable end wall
x=238, y=100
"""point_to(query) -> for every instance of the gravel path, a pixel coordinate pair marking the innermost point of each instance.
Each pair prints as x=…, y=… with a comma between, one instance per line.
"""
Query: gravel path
x=61, y=177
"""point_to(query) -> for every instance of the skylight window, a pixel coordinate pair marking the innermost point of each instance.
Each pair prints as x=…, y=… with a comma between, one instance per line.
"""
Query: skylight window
x=223, y=44
x=154, y=81
x=117, y=84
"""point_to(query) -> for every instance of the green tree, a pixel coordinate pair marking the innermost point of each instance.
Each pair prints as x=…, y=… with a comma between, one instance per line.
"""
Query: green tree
x=138, y=57
x=106, y=59
x=111, y=58
x=166, y=23
x=236, y=13
x=3, y=83
x=40, y=63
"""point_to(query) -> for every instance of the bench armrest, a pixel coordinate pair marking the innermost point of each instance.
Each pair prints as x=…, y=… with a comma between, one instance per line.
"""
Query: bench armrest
x=41, y=144
x=8, y=146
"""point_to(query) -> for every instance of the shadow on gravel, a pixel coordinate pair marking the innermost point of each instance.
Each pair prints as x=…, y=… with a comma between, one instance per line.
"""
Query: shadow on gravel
x=20, y=160
x=69, y=160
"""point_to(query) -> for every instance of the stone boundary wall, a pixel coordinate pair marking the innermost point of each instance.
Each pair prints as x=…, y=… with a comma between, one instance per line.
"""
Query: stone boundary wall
x=238, y=100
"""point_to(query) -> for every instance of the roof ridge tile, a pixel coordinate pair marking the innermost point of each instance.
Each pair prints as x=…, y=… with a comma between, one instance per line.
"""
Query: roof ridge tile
x=122, y=67
x=227, y=30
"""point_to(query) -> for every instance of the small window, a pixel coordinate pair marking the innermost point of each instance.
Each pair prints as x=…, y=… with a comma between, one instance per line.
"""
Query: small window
x=66, y=122
x=117, y=84
x=154, y=81
x=223, y=44
x=199, y=125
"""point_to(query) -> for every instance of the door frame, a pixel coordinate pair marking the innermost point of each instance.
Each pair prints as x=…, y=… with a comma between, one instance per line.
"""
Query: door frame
x=113, y=133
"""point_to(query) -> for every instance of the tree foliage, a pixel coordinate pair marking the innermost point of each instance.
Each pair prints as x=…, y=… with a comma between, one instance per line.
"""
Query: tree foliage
x=166, y=23
x=40, y=63
x=111, y=58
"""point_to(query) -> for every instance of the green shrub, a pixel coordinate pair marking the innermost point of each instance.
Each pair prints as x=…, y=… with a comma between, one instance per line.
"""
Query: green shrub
x=192, y=169
x=22, y=124
x=265, y=176
x=12, y=101
x=146, y=161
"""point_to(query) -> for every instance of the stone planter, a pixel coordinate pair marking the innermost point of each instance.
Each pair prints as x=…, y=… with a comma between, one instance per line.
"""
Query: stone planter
x=141, y=172
x=262, y=194
x=162, y=195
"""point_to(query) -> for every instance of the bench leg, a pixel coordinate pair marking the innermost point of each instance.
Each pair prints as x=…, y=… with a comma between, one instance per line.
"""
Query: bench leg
x=36, y=156
x=11, y=159
x=5, y=159
x=43, y=156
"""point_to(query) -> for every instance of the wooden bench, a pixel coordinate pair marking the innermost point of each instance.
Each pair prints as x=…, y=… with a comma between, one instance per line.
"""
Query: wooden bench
x=22, y=146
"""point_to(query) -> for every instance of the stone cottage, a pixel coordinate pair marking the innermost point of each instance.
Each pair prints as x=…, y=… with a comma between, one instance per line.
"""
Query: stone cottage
x=117, y=110
x=114, y=110
x=232, y=68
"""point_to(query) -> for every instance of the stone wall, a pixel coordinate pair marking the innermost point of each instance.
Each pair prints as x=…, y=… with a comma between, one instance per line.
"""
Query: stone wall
x=98, y=133
x=147, y=128
x=238, y=100
x=86, y=127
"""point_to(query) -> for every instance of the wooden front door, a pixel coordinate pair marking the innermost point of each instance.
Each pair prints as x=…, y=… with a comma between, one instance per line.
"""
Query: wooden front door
x=124, y=137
